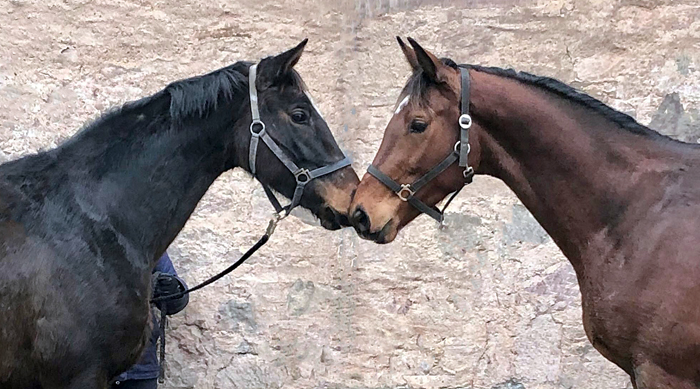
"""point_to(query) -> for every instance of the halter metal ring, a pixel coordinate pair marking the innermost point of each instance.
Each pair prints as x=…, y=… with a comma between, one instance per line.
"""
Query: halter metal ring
x=458, y=146
x=259, y=123
x=406, y=192
x=465, y=121
x=302, y=176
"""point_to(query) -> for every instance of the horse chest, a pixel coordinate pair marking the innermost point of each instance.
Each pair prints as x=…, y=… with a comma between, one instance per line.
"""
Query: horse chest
x=607, y=331
x=609, y=316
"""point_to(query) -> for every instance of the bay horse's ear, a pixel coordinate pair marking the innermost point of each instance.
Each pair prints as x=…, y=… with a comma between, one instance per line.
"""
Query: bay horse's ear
x=431, y=65
x=271, y=69
x=410, y=55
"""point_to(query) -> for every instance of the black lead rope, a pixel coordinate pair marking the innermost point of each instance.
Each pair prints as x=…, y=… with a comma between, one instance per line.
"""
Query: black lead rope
x=163, y=317
x=239, y=262
x=301, y=175
x=161, y=360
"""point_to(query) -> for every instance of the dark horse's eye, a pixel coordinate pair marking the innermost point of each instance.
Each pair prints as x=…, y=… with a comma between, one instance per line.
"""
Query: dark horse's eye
x=418, y=126
x=299, y=116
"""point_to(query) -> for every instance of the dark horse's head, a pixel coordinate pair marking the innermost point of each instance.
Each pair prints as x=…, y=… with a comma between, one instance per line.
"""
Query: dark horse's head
x=293, y=124
x=421, y=133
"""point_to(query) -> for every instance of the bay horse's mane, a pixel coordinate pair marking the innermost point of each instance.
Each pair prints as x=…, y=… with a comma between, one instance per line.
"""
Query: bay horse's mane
x=417, y=86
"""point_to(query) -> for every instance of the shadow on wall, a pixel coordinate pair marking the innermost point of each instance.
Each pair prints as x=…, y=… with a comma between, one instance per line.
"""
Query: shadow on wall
x=523, y=228
x=672, y=119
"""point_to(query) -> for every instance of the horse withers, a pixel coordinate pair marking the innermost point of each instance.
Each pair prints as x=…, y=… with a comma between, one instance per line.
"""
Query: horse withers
x=620, y=200
x=82, y=225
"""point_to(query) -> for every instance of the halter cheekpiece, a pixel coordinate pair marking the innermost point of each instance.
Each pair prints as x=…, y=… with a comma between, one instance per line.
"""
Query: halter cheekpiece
x=460, y=154
x=301, y=175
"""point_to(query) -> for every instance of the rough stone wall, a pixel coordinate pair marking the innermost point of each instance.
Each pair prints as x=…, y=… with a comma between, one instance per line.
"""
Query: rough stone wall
x=488, y=302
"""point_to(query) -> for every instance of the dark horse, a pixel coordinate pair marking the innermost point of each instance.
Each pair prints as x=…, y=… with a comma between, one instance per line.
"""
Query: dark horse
x=620, y=200
x=82, y=225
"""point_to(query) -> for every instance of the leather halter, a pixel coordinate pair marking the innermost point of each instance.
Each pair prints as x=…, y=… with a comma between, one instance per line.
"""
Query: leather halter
x=460, y=153
x=301, y=175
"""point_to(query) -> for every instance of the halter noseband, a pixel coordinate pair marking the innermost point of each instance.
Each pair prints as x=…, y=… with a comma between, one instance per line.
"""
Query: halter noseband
x=301, y=175
x=406, y=192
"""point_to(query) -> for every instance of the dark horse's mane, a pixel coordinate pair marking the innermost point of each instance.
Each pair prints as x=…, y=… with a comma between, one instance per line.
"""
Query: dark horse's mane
x=417, y=86
x=192, y=97
x=195, y=97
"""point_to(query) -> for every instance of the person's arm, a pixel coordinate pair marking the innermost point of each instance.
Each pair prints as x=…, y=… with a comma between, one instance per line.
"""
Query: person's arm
x=168, y=283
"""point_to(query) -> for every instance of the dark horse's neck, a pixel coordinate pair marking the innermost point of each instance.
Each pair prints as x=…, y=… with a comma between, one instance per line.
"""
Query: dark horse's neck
x=579, y=166
x=143, y=168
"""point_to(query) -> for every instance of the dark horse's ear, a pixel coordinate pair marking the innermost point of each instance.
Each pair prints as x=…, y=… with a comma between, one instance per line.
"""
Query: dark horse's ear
x=271, y=69
x=410, y=55
x=431, y=65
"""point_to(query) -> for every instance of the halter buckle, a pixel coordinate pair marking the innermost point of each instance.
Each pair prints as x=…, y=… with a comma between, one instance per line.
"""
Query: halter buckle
x=302, y=176
x=406, y=192
x=468, y=173
x=257, y=122
x=465, y=121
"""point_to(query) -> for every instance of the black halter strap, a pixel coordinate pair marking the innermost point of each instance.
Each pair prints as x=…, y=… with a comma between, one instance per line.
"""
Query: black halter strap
x=301, y=175
x=465, y=121
x=460, y=154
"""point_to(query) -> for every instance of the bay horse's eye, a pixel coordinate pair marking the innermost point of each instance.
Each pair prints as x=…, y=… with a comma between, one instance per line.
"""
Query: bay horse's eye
x=299, y=116
x=418, y=126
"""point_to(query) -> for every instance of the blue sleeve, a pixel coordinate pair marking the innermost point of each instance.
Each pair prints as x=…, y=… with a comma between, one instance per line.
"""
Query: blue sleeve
x=165, y=265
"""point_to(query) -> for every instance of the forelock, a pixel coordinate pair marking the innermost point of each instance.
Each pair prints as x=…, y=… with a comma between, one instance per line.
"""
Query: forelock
x=418, y=86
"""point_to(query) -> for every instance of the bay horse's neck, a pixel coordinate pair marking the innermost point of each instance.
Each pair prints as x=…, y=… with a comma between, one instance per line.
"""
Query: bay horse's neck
x=144, y=172
x=575, y=167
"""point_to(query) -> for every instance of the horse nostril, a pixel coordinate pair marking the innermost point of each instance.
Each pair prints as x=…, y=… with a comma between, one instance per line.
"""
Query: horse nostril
x=360, y=220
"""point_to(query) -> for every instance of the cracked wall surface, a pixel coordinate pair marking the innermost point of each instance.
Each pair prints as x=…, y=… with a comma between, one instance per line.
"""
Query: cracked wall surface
x=487, y=302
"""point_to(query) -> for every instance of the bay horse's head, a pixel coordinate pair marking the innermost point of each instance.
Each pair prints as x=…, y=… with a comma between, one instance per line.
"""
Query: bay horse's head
x=418, y=163
x=288, y=146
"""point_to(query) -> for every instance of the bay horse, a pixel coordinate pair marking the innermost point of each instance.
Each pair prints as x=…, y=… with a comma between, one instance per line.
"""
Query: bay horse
x=620, y=200
x=82, y=225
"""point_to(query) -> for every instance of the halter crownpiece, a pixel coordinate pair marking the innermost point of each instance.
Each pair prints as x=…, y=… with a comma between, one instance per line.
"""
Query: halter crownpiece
x=460, y=154
x=465, y=123
x=301, y=175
